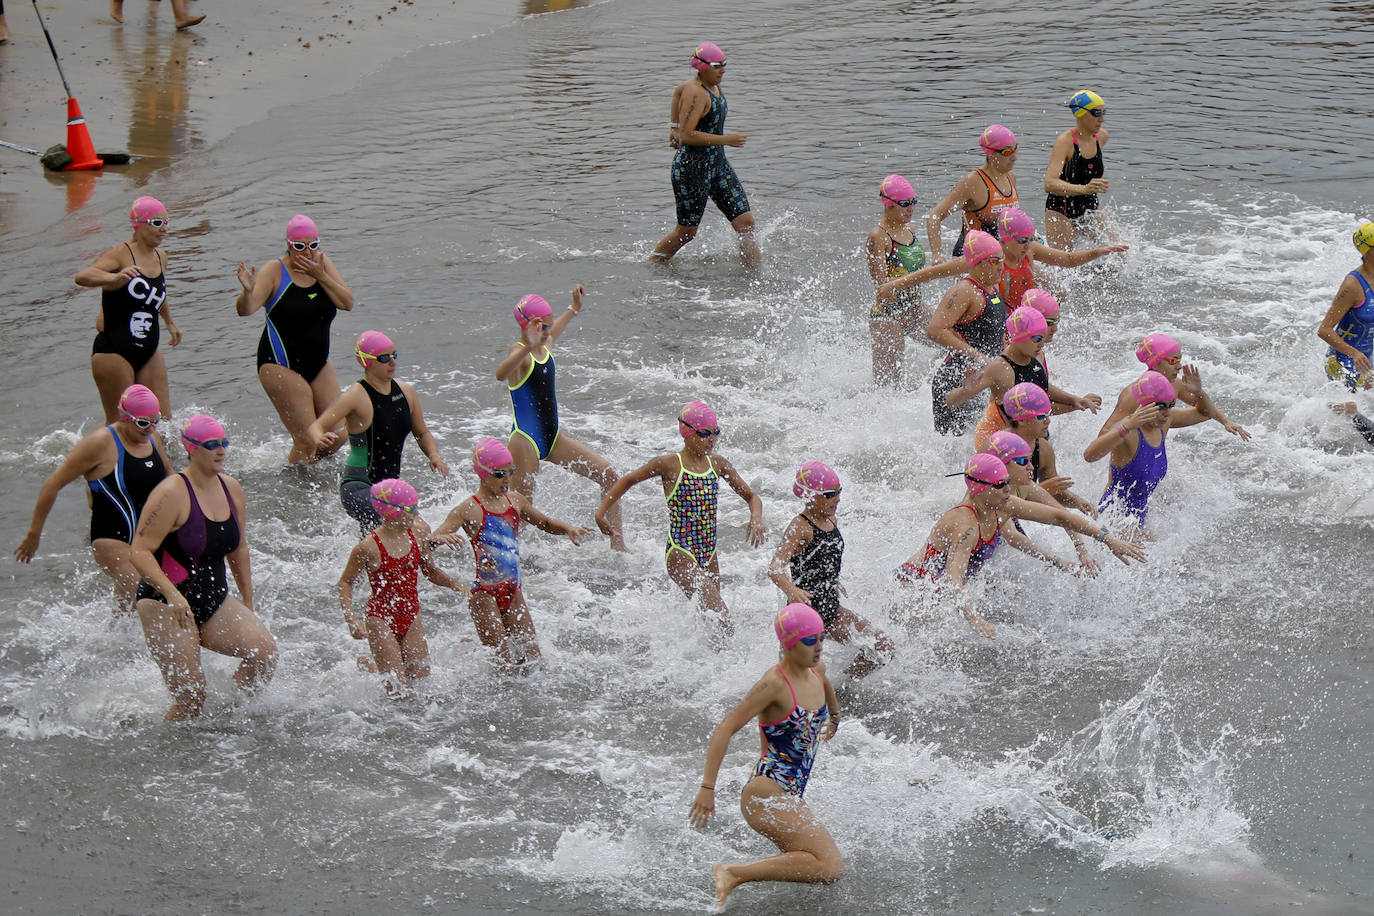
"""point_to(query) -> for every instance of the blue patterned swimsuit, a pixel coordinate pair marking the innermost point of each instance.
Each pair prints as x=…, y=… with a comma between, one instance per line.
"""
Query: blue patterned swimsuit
x=702, y=172
x=692, y=513
x=792, y=744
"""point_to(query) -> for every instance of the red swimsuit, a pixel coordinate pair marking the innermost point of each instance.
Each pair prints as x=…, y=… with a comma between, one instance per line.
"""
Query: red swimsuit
x=395, y=597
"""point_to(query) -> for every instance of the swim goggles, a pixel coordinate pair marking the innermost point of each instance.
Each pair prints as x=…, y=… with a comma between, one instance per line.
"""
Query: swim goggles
x=301, y=246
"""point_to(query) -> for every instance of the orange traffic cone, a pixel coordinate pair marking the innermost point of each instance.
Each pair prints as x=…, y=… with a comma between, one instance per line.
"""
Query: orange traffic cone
x=79, y=145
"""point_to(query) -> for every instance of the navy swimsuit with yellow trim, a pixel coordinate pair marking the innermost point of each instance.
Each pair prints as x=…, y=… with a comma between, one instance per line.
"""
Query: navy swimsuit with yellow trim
x=534, y=405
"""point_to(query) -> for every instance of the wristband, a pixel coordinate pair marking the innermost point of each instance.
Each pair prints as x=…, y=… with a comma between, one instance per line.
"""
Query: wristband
x=1121, y=430
x=708, y=788
x=1101, y=535
x=672, y=124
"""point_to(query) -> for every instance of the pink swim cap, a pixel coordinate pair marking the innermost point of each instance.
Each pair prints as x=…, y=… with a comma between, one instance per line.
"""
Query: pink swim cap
x=1041, y=301
x=813, y=479
x=696, y=415
x=200, y=429
x=979, y=246
x=706, y=54
x=995, y=138
x=1025, y=323
x=796, y=621
x=371, y=343
x=145, y=207
x=301, y=227
x=531, y=307
x=983, y=471
x=490, y=454
x=1015, y=224
x=392, y=497
x=1026, y=400
x=1006, y=445
x=895, y=188
x=139, y=401
x=1152, y=388
x=1156, y=348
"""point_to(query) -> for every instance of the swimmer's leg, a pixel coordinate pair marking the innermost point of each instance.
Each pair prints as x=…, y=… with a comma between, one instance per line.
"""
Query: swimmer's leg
x=184, y=20
x=748, y=240
x=1058, y=230
x=673, y=242
x=386, y=652
x=486, y=617
x=154, y=376
x=112, y=374
x=580, y=459
x=808, y=853
x=117, y=10
x=526, y=463
x=176, y=649
x=236, y=631
x=701, y=583
x=324, y=390
x=846, y=625
x=113, y=557
x=415, y=652
x=294, y=400
x=889, y=345
x=520, y=628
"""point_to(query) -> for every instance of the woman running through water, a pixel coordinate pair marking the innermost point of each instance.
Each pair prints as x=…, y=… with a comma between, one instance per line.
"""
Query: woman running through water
x=194, y=523
x=1020, y=362
x=1348, y=330
x=1073, y=178
x=970, y=322
x=393, y=555
x=132, y=279
x=796, y=708
x=1028, y=409
x=536, y=434
x=300, y=293
x=1139, y=459
x=1161, y=353
x=491, y=520
x=958, y=546
x=894, y=251
x=691, y=484
x=981, y=194
x=122, y=463
x=380, y=412
x=701, y=172
x=807, y=566
x=1015, y=453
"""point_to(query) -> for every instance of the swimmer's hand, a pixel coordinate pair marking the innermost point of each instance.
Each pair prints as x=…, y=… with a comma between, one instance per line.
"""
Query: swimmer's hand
x=247, y=273
x=578, y=293
x=603, y=525
x=1089, y=402
x=303, y=262
x=173, y=333
x=452, y=539
x=1142, y=415
x=1096, y=186
x=703, y=806
x=1235, y=429
x=27, y=547
x=1089, y=565
x=979, y=623
x=1362, y=364
x=1191, y=380
x=1056, y=485
x=121, y=278
x=576, y=534
x=674, y=138
x=886, y=292
x=735, y=140
x=181, y=611
x=755, y=532
x=798, y=595
x=355, y=626
x=438, y=464
x=1124, y=550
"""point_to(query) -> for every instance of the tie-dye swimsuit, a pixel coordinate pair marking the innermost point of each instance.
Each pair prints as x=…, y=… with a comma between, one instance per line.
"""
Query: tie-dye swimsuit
x=792, y=744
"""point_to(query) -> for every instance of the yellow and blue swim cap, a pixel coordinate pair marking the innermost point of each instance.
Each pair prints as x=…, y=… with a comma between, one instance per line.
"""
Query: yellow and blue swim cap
x=1364, y=238
x=1084, y=100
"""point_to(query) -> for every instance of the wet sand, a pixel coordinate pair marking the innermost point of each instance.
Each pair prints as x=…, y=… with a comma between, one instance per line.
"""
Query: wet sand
x=160, y=94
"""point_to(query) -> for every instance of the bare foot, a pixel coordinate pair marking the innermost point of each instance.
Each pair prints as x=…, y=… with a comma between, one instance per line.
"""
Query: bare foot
x=179, y=713
x=4, y=29
x=117, y=10
x=365, y=663
x=725, y=882
x=618, y=544
x=1349, y=408
x=188, y=22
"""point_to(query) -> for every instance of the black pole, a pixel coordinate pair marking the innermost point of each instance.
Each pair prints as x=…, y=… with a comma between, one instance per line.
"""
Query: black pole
x=53, y=49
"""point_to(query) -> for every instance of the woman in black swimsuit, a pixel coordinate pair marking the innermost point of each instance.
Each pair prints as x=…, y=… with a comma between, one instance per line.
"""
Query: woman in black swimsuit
x=300, y=294
x=1074, y=176
x=131, y=277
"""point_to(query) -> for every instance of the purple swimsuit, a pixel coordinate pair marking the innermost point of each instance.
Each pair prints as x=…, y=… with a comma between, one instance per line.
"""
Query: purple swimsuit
x=1130, y=487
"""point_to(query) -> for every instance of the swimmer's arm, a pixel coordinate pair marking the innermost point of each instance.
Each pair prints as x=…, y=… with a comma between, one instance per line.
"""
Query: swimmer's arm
x=755, y=531
x=360, y=560
x=560, y=323
x=957, y=557
x=1059, y=154
x=465, y=516
x=767, y=692
x=1349, y=296
x=654, y=468
x=1117, y=441
x=1061, y=491
x=107, y=271
x=879, y=247
x=832, y=702
x=327, y=275
x=956, y=199
x=547, y=523
x=86, y=457
x=425, y=539
x=514, y=363
x=238, y=559
x=1090, y=402
x=1190, y=381
x=794, y=540
x=993, y=375
x=1060, y=258
x=166, y=510
x=947, y=315
x=346, y=407
x=696, y=102
x=423, y=437
x=256, y=286
x=954, y=267
x=173, y=330
x=1024, y=544
x=1125, y=404
x=675, y=133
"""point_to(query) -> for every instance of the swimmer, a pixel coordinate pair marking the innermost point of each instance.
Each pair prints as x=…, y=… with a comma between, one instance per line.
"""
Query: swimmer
x=894, y=251
x=807, y=566
x=796, y=708
x=970, y=322
x=1020, y=362
x=982, y=194
x=1028, y=409
x=491, y=520
x=700, y=170
x=1015, y=453
x=194, y=523
x=393, y=556
x=300, y=293
x=1073, y=178
x=536, y=434
x=957, y=546
x=132, y=280
x=1348, y=329
x=691, y=484
x=1021, y=252
x=122, y=463
x=380, y=412
x=1139, y=462
x=1161, y=353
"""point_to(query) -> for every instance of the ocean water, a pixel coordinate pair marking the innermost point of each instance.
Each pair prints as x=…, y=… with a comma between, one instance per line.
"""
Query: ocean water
x=1189, y=736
